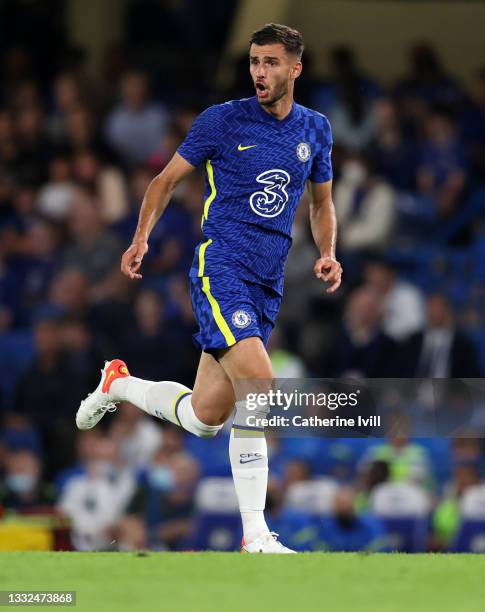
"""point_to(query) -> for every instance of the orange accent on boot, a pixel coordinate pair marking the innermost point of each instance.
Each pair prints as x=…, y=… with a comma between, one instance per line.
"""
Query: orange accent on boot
x=116, y=369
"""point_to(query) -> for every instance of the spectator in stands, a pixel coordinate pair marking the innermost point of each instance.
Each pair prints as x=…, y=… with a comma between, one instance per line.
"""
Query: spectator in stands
x=21, y=214
x=472, y=128
x=406, y=460
x=344, y=69
x=137, y=436
x=94, y=250
x=392, y=155
x=20, y=433
x=83, y=349
x=96, y=500
x=68, y=294
x=441, y=171
x=440, y=350
x=290, y=524
x=36, y=265
x=346, y=531
x=361, y=347
x=403, y=304
x=153, y=340
x=23, y=489
x=373, y=474
x=82, y=135
x=352, y=118
x=8, y=148
x=48, y=390
x=171, y=140
x=285, y=363
x=366, y=212
x=296, y=469
x=135, y=128
x=66, y=96
x=165, y=493
x=86, y=446
x=469, y=449
x=428, y=79
x=55, y=197
x=106, y=181
x=32, y=147
x=446, y=516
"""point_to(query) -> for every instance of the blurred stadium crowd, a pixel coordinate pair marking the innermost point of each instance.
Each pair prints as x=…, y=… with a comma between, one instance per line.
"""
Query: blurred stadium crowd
x=76, y=156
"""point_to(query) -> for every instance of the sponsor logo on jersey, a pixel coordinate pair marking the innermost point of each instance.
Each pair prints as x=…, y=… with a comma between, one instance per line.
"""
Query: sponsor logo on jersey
x=272, y=199
x=249, y=457
x=241, y=319
x=303, y=151
x=244, y=147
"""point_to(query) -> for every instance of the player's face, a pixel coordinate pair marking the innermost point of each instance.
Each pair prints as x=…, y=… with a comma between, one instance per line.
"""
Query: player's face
x=273, y=71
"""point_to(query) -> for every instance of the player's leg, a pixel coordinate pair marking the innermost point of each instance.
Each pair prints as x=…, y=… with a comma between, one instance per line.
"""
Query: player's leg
x=248, y=366
x=171, y=400
x=167, y=400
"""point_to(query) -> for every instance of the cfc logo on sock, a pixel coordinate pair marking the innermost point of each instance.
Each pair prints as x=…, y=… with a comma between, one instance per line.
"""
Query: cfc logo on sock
x=249, y=457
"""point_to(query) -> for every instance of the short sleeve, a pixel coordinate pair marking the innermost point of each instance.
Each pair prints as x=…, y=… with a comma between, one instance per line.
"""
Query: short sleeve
x=321, y=171
x=203, y=138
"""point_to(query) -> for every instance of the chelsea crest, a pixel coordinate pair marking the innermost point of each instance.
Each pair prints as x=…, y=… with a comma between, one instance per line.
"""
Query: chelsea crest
x=241, y=319
x=303, y=151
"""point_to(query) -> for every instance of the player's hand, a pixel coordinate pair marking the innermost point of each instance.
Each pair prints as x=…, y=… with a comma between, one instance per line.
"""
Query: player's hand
x=132, y=258
x=329, y=270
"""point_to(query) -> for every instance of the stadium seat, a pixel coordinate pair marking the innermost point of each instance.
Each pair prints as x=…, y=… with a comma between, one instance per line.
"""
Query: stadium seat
x=439, y=452
x=218, y=524
x=16, y=354
x=471, y=535
x=216, y=495
x=404, y=508
x=211, y=455
x=222, y=532
x=312, y=496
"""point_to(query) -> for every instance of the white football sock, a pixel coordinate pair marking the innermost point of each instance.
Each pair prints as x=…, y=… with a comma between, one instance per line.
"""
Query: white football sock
x=249, y=462
x=166, y=400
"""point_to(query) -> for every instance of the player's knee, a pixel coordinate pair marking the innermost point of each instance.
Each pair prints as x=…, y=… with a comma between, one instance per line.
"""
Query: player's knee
x=206, y=433
x=208, y=416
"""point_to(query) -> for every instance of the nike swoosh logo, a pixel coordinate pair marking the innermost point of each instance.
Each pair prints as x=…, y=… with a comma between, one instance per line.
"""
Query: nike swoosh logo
x=106, y=382
x=243, y=148
x=249, y=460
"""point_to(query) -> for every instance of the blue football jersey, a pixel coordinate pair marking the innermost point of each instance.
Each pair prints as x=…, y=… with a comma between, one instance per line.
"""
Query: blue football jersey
x=257, y=167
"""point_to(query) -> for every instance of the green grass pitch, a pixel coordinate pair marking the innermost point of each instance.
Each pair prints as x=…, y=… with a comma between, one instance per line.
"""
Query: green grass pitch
x=199, y=582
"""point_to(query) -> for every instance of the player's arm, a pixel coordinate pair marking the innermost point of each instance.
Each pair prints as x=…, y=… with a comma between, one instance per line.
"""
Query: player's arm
x=155, y=201
x=324, y=229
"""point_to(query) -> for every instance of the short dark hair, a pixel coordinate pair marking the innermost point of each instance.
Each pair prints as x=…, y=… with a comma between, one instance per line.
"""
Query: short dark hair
x=272, y=33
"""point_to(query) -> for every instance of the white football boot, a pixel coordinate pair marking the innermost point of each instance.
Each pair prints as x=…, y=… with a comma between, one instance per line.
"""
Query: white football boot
x=98, y=403
x=267, y=543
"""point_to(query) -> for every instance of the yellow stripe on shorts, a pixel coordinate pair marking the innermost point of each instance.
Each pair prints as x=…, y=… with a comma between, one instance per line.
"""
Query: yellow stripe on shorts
x=216, y=312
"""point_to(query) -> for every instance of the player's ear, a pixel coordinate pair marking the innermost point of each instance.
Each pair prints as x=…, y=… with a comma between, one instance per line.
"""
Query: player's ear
x=296, y=70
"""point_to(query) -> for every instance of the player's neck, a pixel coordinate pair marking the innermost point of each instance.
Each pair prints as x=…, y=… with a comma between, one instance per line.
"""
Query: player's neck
x=281, y=108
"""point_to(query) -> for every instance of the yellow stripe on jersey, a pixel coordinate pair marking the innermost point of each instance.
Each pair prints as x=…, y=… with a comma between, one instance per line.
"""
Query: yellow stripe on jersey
x=216, y=311
x=202, y=249
x=213, y=193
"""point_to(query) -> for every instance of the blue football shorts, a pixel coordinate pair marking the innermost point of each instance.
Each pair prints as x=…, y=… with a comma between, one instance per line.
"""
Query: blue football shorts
x=228, y=309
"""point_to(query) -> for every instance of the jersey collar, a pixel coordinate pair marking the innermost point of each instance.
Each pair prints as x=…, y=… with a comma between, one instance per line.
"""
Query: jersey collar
x=270, y=119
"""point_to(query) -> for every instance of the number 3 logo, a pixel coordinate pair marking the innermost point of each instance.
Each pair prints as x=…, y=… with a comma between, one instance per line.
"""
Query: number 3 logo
x=271, y=201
